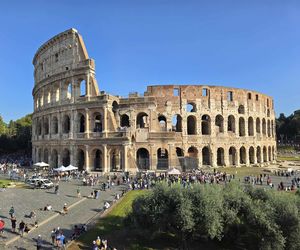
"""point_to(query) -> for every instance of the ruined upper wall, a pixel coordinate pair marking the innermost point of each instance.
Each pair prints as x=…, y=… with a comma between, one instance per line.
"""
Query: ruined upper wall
x=59, y=54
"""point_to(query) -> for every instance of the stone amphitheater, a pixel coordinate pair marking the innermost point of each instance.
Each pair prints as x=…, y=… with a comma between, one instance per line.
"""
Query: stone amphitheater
x=182, y=126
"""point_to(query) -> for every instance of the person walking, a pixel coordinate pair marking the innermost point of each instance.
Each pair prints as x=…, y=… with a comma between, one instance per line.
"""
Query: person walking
x=53, y=235
x=11, y=211
x=13, y=224
x=39, y=243
x=21, y=228
x=65, y=209
x=78, y=192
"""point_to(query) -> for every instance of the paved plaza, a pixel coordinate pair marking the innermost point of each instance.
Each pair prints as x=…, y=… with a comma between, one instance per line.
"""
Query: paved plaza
x=24, y=200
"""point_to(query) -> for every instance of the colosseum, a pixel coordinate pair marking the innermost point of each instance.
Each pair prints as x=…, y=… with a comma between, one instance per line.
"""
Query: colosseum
x=182, y=126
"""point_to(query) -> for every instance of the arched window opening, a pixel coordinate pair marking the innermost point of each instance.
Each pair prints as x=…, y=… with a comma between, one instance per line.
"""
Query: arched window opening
x=46, y=155
x=115, y=107
x=40, y=155
x=191, y=161
x=257, y=125
x=124, y=122
x=251, y=155
x=249, y=96
x=80, y=159
x=220, y=157
x=191, y=107
x=258, y=154
x=66, y=158
x=54, y=125
x=264, y=126
x=242, y=126
x=273, y=153
x=272, y=128
x=242, y=155
x=162, y=159
x=49, y=97
x=250, y=127
x=98, y=123
x=177, y=123
x=265, y=154
x=231, y=124
x=81, y=123
x=54, y=158
x=46, y=126
x=268, y=113
x=83, y=88
x=241, y=109
x=269, y=154
x=66, y=124
x=39, y=128
x=269, y=128
x=142, y=120
x=232, y=156
x=57, y=95
x=179, y=152
x=142, y=159
x=69, y=91
x=206, y=156
x=191, y=125
x=162, y=123
x=205, y=125
x=114, y=161
x=98, y=160
x=219, y=124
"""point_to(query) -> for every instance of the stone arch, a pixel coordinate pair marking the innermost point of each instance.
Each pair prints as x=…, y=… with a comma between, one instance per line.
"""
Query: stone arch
x=258, y=154
x=80, y=159
x=54, y=124
x=249, y=96
x=243, y=155
x=250, y=126
x=54, y=158
x=257, y=125
x=162, y=159
x=206, y=157
x=220, y=157
x=80, y=123
x=231, y=124
x=177, y=123
x=191, y=160
x=219, y=122
x=205, y=125
x=251, y=155
x=46, y=155
x=269, y=128
x=98, y=122
x=232, y=156
x=191, y=125
x=162, y=122
x=66, y=124
x=66, y=157
x=191, y=107
x=142, y=159
x=265, y=157
x=142, y=120
x=46, y=126
x=179, y=152
x=242, y=126
x=241, y=109
x=83, y=88
x=124, y=121
x=97, y=157
x=264, y=126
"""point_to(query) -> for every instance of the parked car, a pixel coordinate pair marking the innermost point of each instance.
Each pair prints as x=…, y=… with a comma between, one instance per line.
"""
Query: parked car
x=40, y=183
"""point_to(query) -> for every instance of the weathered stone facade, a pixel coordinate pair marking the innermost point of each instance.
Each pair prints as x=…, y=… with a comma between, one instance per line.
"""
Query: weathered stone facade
x=183, y=126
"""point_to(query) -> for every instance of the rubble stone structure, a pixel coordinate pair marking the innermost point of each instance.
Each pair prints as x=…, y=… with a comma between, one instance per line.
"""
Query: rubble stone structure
x=184, y=126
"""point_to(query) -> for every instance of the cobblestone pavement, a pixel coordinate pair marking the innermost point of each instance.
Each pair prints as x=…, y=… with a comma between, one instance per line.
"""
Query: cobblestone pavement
x=25, y=200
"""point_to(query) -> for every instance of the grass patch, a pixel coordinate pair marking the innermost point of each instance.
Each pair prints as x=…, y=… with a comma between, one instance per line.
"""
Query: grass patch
x=4, y=182
x=288, y=158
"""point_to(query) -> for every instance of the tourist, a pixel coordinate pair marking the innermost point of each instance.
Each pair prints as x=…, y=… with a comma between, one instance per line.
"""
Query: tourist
x=56, y=189
x=78, y=192
x=11, y=211
x=95, y=247
x=32, y=214
x=106, y=205
x=21, y=228
x=65, y=209
x=53, y=236
x=62, y=241
x=13, y=224
x=39, y=242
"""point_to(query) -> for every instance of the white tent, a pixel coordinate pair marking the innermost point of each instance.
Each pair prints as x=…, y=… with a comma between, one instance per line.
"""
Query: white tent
x=70, y=168
x=60, y=169
x=174, y=171
x=41, y=164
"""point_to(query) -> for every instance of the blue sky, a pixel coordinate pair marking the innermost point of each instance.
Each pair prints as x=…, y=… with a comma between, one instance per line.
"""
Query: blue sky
x=244, y=44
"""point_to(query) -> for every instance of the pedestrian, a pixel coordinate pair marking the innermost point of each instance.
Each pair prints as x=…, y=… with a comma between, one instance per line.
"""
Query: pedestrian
x=13, y=224
x=95, y=247
x=78, y=192
x=21, y=228
x=39, y=242
x=65, y=209
x=62, y=241
x=53, y=234
x=56, y=189
x=11, y=211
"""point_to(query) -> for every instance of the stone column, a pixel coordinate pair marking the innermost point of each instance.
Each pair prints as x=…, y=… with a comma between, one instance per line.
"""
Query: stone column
x=105, y=156
x=87, y=123
x=72, y=125
x=152, y=157
x=199, y=156
x=170, y=156
x=105, y=128
x=88, y=86
x=226, y=157
x=72, y=155
x=59, y=159
x=247, y=157
x=125, y=158
x=213, y=157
